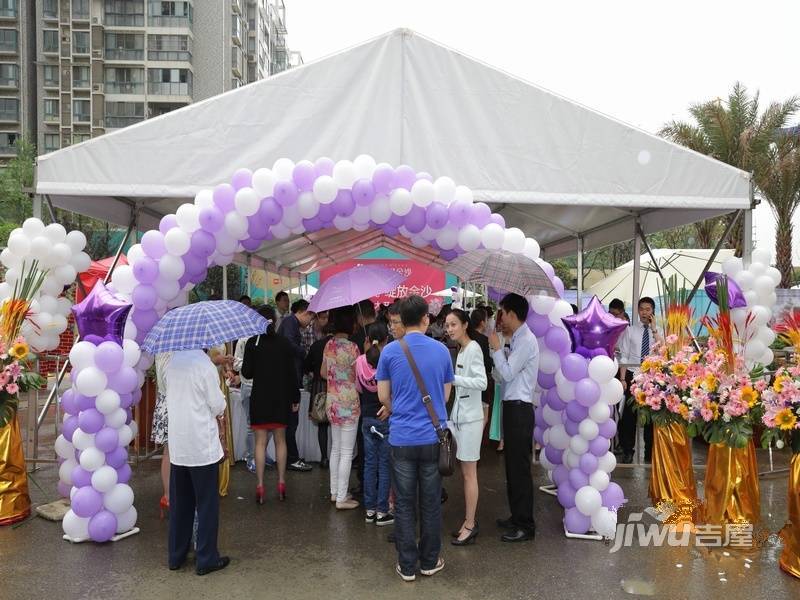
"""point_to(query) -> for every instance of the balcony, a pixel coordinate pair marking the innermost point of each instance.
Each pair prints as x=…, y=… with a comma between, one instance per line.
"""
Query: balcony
x=8, y=46
x=169, y=55
x=169, y=21
x=82, y=117
x=9, y=82
x=169, y=88
x=10, y=115
x=124, y=54
x=8, y=12
x=123, y=20
x=124, y=87
x=50, y=9
x=118, y=122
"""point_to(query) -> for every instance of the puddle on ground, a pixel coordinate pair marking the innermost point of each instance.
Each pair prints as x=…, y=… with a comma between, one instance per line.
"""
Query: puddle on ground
x=638, y=587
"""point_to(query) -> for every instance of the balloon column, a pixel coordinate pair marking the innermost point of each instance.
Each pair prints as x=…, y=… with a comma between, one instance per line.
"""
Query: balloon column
x=574, y=421
x=98, y=423
x=61, y=254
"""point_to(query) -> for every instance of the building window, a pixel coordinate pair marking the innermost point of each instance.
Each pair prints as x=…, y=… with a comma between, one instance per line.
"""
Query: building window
x=80, y=42
x=9, y=109
x=236, y=27
x=50, y=75
x=9, y=75
x=8, y=8
x=49, y=40
x=51, y=110
x=124, y=46
x=50, y=9
x=124, y=81
x=81, y=111
x=77, y=138
x=169, y=47
x=80, y=9
x=122, y=114
x=51, y=142
x=169, y=82
x=80, y=77
x=170, y=14
x=8, y=40
x=127, y=13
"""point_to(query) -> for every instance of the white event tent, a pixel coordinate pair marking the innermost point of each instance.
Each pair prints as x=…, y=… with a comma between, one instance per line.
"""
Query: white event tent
x=570, y=177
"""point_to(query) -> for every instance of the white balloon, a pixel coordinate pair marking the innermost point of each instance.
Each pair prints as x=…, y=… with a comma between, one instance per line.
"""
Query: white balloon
x=559, y=438
x=588, y=500
x=612, y=392
x=116, y=418
x=92, y=459
x=761, y=315
x=360, y=215
x=61, y=254
x=767, y=357
x=769, y=300
x=589, y=429
x=739, y=316
x=107, y=401
x=131, y=352
x=58, y=324
x=774, y=274
x=65, y=470
x=469, y=238
x=205, y=199
x=447, y=238
x=91, y=381
x=745, y=279
x=566, y=389
x=130, y=332
x=551, y=417
x=578, y=445
x=65, y=274
x=226, y=244
x=55, y=232
x=40, y=247
x=127, y=520
x=754, y=349
x=364, y=166
x=81, y=355
x=325, y=189
x=81, y=262
x=763, y=285
x=188, y=217
x=283, y=169
x=380, y=211
x=423, y=192
x=307, y=205
x=19, y=245
x=344, y=174
x=542, y=304
x=571, y=459
x=531, y=249
x=751, y=297
x=264, y=182
x=761, y=256
x=549, y=361
x=125, y=435
x=104, y=479
x=31, y=227
x=607, y=462
x=400, y=202
x=562, y=308
x=280, y=231
x=295, y=230
x=732, y=266
x=119, y=499
x=64, y=448
x=546, y=464
x=445, y=190
x=76, y=528
x=246, y=201
x=757, y=269
x=235, y=226
x=604, y=522
x=134, y=428
x=602, y=368
x=766, y=336
x=177, y=241
x=291, y=216
x=492, y=236
x=170, y=267
x=135, y=254
x=167, y=289
x=600, y=412
x=514, y=240
x=599, y=480
x=342, y=223
x=463, y=194
x=9, y=259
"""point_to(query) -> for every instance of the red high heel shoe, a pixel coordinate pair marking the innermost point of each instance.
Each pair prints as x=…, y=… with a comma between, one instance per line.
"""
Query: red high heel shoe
x=163, y=506
x=259, y=494
x=281, y=491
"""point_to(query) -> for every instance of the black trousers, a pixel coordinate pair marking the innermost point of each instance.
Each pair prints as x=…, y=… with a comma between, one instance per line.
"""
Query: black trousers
x=190, y=489
x=292, y=454
x=627, y=424
x=360, y=459
x=518, y=436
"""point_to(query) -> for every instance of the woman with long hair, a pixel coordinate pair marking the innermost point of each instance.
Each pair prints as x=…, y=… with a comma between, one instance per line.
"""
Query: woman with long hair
x=343, y=407
x=269, y=362
x=467, y=416
x=312, y=365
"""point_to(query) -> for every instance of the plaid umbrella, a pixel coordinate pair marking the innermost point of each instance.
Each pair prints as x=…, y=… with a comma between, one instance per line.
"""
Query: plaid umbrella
x=512, y=272
x=203, y=325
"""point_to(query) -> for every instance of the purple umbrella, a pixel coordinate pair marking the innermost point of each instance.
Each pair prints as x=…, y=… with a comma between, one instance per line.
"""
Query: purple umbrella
x=356, y=284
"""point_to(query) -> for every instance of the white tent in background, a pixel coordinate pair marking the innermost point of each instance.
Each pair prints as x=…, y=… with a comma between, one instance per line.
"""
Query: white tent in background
x=687, y=265
x=448, y=293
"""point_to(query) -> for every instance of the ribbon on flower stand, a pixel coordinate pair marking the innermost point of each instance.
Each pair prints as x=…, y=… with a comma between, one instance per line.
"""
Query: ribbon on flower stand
x=732, y=493
x=15, y=503
x=672, y=476
x=790, y=534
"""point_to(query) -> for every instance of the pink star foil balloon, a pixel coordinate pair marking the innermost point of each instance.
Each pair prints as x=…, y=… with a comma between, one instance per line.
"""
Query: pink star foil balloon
x=594, y=331
x=736, y=297
x=101, y=315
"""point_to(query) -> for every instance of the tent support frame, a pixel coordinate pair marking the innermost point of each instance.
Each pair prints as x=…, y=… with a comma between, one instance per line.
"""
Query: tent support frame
x=713, y=256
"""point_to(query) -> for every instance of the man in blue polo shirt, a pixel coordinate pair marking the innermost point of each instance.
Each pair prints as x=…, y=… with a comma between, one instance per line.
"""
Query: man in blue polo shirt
x=413, y=440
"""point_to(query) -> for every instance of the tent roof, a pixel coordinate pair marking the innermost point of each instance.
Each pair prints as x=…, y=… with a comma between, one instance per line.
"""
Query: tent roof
x=552, y=167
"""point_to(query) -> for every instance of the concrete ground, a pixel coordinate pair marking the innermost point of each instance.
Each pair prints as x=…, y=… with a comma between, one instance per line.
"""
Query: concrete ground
x=304, y=548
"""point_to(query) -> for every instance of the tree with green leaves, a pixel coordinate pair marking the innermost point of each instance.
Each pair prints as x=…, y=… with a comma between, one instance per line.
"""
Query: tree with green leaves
x=15, y=179
x=735, y=131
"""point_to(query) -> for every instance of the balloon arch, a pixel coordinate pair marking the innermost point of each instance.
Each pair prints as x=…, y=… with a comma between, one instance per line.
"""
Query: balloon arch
x=577, y=388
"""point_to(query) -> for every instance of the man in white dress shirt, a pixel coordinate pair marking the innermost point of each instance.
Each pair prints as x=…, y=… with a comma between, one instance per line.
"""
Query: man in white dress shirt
x=194, y=403
x=519, y=371
x=634, y=346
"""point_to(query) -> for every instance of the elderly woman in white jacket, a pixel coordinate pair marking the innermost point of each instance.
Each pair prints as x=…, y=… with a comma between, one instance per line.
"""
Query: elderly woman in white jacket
x=467, y=416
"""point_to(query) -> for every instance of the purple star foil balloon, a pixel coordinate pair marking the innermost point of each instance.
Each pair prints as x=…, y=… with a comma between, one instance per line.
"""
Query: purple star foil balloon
x=594, y=331
x=101, y=315
x=736, y=297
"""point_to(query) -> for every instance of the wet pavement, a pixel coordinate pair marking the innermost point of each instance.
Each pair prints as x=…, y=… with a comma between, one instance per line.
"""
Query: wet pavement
x=304, y=548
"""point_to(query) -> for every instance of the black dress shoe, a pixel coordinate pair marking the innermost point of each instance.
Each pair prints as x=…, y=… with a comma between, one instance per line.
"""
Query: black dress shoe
x=473, y=533
x=505, y=523
x=518, y=535
x=224, y=561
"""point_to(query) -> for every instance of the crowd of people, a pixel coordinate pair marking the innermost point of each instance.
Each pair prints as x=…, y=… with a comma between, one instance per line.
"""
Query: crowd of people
x=373, y=378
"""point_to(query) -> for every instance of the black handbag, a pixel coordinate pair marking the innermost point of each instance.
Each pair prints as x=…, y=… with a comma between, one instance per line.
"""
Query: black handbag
x=447, y=443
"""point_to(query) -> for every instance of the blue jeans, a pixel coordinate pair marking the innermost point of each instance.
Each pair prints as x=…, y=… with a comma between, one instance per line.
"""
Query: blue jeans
x=376, y=465
x=416, y=475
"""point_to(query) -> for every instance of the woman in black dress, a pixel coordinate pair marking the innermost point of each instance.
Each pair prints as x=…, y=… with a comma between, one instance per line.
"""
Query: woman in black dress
x=269, y=362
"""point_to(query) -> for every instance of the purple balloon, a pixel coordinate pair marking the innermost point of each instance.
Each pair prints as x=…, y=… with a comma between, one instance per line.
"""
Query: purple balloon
x=304, y=175
x=539, y=324
x=459, y=213
x=546, y=380
x=382, y=178
x=391, y=231
x=145, y=270
x=415, y=219
x=144, y=297
x=124, y=473
x=123, y=381
x=256, y=227
x=108, y=357
x=69, y=403
x=323, y=166
x=578, y=478
x=285, y=193
x=576, y=522
x=87, y=502
x=363, y=192
x=344, y=204
x=554, y=401
x=94, y=339
x=107, y=439
x=560, y=474
x=195, y=263
x=538, y=435
x=102, y=526
x=588, y=463
x=117, y=457
x=395, y=221
x=557, y=339
x=312, y=225
x=576, y=411
x=125, y=400
x=202, y=243
x=613, y=497
x=251, y=245
x=144, y=319
x=84, y=402
x=480, y=215
x=736, y=297
x=271, y=212
x=566, y=494
x=137, y=395
x=91, y=421
x=448, y=255
x=574, y=367
x=499, y=219
x=63, y=489
x=608, y=429
x=547, y=268
x=404, y=177
x=553, y=455
x=211, y=219
x=166, y=223
x=587, y=392
x=128, y=416
x=153, y=244
x=81, y=477
x=572, y=427
x=559, y=286
x=327, y=212
x=242, y=178
x=437, y=215
x=224, y=197
x=595, y=328
x=424, y=175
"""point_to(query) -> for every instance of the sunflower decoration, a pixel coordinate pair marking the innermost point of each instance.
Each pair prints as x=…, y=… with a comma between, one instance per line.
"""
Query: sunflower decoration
x=20, y=350
x=679, y=369
x=749, y=395
x=785, y=420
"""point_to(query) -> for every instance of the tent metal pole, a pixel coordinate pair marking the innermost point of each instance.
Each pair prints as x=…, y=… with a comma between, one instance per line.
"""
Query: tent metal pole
x=579, y=278
x=747, y=246
x=641, y=234
x=224, y=282
x=713, y=256
x=637, y=265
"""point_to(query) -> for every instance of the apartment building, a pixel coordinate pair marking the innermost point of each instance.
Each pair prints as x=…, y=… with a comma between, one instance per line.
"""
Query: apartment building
x=17, y=86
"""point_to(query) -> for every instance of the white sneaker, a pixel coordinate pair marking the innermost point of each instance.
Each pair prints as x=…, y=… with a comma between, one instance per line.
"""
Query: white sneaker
x=403, y=576
x=439, y=566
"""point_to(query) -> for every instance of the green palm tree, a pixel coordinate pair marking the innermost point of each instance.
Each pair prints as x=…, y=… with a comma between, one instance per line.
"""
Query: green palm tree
x=736, y=132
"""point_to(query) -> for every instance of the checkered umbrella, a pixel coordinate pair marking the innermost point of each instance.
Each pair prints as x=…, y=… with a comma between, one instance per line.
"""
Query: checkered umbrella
x=203, y=325
x=511, y=272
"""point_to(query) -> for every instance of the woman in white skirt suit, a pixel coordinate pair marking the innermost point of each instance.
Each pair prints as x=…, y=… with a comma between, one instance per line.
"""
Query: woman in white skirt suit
x=467, y=416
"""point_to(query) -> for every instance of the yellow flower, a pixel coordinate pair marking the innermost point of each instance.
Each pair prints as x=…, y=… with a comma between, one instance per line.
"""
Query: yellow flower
x=679, y=369
x=684, y=410
x=641, y=398
x=750, y=396
x=779, y=382
x=714, y=407
x=19, y=350
x=646, y=365
x=710, y=382
x=785, y=419
x=694, y=358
